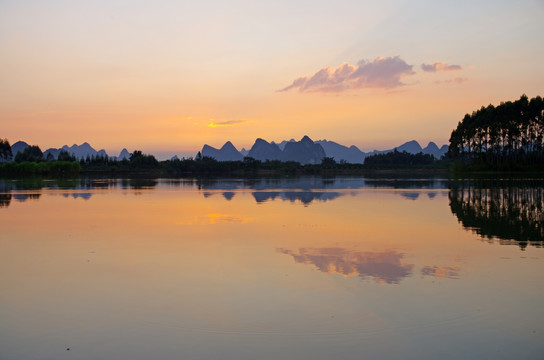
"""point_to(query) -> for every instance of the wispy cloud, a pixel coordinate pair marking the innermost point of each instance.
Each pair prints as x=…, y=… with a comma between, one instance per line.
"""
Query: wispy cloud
x=457, y=80
x=440, y=67
x=214, y=123
x=383, y=72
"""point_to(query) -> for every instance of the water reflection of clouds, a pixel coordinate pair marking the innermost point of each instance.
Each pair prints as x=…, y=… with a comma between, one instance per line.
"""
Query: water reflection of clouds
x=385, y=267
x=443, y=272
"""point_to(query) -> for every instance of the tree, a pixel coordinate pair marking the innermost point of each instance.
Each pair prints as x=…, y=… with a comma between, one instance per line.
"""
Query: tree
x=5, y=150
x=141, y=160
x=66, y=156
x=33, y=153
x=328, y=161
x=506, y=135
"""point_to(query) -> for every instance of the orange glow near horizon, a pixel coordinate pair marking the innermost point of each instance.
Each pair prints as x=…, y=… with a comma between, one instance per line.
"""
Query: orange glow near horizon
x=156, y=86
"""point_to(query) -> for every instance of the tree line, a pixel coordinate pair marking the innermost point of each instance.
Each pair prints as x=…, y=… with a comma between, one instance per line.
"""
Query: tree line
x=396, y=157
x=503, y=137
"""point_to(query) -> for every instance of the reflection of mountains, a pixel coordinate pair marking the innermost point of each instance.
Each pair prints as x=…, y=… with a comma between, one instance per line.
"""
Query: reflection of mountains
x=384, y=267
x=313, y=183
x=503, y=213
x=308, y=189
x=306, y=197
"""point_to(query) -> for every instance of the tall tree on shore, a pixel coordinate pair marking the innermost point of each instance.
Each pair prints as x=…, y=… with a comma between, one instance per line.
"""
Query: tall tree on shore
x=511, y=132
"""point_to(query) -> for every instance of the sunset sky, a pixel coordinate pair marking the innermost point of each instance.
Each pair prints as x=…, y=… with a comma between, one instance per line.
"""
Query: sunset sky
x=166, y=77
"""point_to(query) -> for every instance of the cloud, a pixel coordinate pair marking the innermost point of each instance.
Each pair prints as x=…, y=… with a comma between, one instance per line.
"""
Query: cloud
x=213, y=123
x=457, y=80
x=383, y=72
x=440, y=67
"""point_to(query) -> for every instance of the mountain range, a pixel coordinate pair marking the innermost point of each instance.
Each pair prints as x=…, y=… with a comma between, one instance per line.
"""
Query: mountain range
x=79, y=151
x=307, y=151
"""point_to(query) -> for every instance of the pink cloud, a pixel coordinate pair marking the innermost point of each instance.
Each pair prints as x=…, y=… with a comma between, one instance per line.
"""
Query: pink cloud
x=383, y=72
x=440, y=67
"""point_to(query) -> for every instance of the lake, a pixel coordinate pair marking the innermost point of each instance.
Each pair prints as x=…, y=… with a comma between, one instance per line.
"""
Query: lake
x=381, y=267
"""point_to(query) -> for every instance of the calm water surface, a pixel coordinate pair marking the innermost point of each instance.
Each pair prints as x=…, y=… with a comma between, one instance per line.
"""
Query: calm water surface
x=303, y=268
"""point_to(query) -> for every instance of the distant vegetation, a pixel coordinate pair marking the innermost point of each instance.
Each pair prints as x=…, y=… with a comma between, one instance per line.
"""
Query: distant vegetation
x=505, y=137
x=400, y=158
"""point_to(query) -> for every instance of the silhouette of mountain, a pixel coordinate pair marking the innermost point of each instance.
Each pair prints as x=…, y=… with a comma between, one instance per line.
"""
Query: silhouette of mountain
x=18, y=147
x=307, y=151
x=304, y=151
x=83, y=150
x=432, y=149
x=411, y=147
x=443, y=150
x=227, y=152
x=340, y=152
x=54, y=153
x=124, y=154
x=281, y=145
x=263, y=150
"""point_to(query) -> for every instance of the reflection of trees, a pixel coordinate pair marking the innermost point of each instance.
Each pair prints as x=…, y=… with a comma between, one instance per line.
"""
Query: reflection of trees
x=5, y=200
x=384, y=267
x=505, y=213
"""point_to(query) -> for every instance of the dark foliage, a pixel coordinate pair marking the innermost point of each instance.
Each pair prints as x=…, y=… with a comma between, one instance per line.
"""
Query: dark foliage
x=52, y=168
x=66, y=156
x=5, y=150
x=32, y=153
x=138, y=160
x=400, y=158
x=506, y=137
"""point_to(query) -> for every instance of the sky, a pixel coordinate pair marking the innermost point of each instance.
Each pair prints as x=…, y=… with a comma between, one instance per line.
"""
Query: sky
x=166, y=77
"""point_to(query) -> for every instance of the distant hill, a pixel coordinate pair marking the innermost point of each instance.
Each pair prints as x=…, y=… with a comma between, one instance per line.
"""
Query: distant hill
x=79, y=151
x=413, y=147
x=339, y=152
x=307, y=151
x=263, y=150
x=227, y=152
x=18, y=147
x=304, y=151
